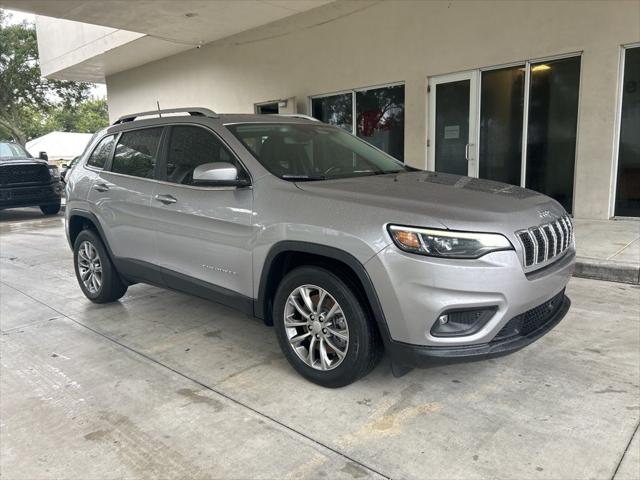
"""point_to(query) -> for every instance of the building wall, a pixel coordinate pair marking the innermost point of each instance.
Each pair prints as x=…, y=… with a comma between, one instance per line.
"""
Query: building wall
x=374, y=43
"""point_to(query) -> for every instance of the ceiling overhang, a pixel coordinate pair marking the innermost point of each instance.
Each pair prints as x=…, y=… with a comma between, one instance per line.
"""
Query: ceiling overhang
x=141, y=31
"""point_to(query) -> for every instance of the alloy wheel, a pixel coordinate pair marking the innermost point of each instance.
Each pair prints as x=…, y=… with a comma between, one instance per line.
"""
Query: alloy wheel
x=316, y=327
x=90, y=267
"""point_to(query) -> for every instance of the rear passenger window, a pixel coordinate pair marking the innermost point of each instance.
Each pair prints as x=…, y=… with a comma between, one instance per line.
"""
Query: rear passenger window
x=190, y=147
x=100, y=154
x=137, y=152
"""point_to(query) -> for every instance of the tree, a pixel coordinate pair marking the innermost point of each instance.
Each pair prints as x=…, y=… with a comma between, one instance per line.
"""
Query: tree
x=24, y=95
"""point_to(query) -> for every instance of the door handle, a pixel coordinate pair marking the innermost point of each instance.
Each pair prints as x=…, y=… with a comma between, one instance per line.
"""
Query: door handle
x=166, y=199
x=101, y=187
x=467, y=152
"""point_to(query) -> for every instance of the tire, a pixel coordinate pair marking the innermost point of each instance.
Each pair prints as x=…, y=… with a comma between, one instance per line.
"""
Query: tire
x=111, y=287
x=362, y=349
x=51, y=208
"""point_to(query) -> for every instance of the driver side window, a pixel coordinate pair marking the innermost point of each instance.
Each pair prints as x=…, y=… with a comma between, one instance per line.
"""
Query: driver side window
x=190, y=147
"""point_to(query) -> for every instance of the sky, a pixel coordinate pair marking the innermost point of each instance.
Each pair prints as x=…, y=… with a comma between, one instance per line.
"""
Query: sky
x=99, y=90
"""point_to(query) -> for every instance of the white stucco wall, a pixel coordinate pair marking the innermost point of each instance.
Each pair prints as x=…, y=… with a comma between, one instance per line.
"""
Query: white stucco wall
x=377, y=43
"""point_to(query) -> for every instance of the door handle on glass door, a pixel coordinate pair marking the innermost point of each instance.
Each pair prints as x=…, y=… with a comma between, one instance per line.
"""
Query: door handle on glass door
x=467, y=152
x=166, y=199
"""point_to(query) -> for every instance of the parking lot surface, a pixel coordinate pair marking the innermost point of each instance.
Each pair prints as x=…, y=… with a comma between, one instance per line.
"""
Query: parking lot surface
x=164, y=385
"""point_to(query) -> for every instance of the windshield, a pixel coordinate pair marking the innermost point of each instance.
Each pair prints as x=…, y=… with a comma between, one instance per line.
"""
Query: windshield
x=299, y=152
x=12, y=150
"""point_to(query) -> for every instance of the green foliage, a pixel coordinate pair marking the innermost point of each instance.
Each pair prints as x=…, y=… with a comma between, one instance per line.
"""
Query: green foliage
x=31, y=106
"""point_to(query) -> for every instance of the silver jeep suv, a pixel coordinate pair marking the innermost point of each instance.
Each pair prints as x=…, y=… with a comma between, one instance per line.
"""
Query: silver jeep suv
x=346, y=251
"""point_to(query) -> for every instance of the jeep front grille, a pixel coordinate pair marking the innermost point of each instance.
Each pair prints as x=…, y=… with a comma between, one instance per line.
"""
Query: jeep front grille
x=545, y=242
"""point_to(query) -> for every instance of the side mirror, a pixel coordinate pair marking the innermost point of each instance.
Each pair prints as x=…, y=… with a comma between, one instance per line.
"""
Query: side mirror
x=43, y=156
x=218, y=174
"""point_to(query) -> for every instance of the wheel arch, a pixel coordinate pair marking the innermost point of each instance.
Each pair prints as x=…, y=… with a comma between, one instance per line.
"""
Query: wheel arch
x=286, y=255
x=80, y=220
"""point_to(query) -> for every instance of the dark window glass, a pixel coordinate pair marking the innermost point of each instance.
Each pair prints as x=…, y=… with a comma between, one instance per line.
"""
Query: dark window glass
x=335, y=110
x=190, y=147
x=552, y=123
x=267, y=109
x=380, y=118
x=313, y=151
x=628, y=188
x=137, y=152
x=452, y=126
x=101, y=153
x=501, y=111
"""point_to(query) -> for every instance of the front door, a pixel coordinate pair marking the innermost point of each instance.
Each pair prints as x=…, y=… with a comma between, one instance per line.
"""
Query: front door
x=203, y=232
x=452, y=126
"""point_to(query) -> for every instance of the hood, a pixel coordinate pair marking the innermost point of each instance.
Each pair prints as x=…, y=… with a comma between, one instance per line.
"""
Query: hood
x=457, y=202
x=22, y=161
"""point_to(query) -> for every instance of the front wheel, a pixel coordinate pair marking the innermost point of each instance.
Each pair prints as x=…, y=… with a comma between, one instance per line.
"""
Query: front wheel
x=51, y=208
x=96, y=275
x=323, y=329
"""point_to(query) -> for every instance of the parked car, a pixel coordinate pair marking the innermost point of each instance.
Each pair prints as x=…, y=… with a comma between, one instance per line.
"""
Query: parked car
x=343, y=249
x=26, y=181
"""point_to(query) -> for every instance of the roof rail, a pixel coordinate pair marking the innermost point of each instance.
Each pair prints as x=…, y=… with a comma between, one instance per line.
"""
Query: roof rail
x=298, y=115
x=194, y=111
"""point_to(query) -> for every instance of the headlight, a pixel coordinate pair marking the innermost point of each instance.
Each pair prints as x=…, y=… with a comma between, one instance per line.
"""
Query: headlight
x=54, y=172
x=447, y=243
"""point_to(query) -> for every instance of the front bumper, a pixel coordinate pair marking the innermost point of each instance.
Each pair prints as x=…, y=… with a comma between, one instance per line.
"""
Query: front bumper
x=30, y=195
x=407, y=355
x=415, y=290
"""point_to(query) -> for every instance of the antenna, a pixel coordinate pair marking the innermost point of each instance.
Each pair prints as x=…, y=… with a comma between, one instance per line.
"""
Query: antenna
x=159, y=111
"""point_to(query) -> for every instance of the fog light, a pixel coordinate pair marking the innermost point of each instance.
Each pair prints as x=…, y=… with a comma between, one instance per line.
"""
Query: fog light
x=454, y=323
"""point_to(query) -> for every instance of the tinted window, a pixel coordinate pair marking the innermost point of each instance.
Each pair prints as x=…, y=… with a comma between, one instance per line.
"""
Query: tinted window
x=314, y=152
x=501, y=112
x=334, y=110
x=101, y=153
x=628, y=191
x=190, y=147
x=552, y=126
x=137, y=153
x=380, y=118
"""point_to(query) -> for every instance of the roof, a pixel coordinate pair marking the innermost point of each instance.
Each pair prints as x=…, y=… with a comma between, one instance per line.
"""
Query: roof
x=59, y=145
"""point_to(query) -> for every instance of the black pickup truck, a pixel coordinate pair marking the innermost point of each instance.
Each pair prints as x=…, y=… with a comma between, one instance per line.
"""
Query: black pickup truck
x=27, y=182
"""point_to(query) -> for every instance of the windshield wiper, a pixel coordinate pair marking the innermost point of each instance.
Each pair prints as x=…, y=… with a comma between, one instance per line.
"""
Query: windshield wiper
x=303, y=178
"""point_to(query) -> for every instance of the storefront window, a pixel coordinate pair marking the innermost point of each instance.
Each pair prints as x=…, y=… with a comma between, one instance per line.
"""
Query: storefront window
x=628, y=186
x=552, y=126
x=334, y=110
x=379, y=116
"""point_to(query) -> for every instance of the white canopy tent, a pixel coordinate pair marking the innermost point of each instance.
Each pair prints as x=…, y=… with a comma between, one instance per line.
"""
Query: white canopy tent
x=59, y=145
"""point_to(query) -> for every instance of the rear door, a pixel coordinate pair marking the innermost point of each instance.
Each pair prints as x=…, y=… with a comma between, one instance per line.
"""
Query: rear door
x=122, y=195
x=204, y=233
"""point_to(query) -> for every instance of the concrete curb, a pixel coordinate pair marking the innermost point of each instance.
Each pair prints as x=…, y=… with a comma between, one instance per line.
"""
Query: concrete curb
x=607, y=270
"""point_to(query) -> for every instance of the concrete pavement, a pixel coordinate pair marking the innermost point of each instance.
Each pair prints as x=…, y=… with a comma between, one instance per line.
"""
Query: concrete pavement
x=608, y=250
x=163, y=385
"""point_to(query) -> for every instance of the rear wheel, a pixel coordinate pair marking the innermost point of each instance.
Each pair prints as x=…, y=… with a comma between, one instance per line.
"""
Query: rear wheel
x=96, y=275
x=323, y=329
x=51, y=208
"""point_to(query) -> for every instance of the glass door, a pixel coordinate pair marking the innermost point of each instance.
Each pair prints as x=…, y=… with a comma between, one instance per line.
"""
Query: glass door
x=515, y=124
x=452, y=127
